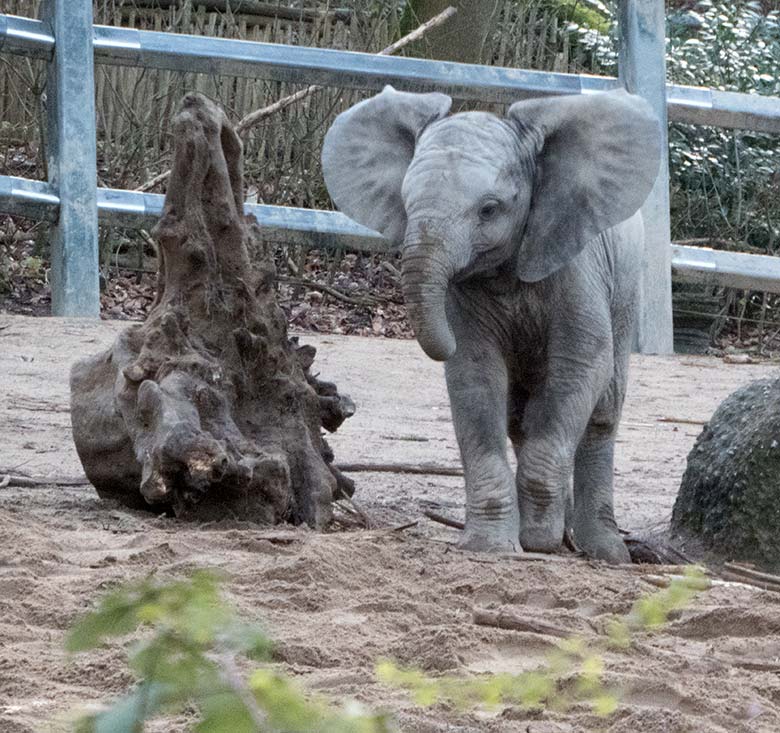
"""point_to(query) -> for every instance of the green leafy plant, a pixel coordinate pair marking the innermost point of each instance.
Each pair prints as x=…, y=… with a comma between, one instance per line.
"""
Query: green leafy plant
x=573, y=673
x=189, y=660
x=723, y=183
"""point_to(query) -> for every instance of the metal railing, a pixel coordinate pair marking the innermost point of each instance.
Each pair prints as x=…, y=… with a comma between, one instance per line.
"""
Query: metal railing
x=71, y=44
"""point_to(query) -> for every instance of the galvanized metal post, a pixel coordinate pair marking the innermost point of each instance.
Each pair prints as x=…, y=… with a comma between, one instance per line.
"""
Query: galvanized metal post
x=71, y=158
x=642, y=67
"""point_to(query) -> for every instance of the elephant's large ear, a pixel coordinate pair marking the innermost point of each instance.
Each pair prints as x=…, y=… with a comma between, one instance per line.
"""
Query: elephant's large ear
x=598, y=162
x=367, y=151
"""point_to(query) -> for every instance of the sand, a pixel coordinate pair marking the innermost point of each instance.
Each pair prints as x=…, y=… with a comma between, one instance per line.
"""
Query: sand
x=337, y=602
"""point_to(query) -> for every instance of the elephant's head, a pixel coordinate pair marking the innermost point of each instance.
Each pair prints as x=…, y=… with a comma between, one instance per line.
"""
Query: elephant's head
x=469, y=192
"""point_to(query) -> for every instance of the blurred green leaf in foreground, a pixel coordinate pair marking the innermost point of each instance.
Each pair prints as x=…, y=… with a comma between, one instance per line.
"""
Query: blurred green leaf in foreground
x=189, y=662
x=573, y=673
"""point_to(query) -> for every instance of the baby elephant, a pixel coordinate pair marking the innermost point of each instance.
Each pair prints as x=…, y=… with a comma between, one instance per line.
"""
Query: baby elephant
x=522, y=244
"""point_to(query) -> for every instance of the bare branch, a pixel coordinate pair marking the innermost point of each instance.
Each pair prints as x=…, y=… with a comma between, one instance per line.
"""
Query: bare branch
x=254, y=118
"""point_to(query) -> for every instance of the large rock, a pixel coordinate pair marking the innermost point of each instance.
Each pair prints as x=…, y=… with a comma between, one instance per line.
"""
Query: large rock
x=729, y=499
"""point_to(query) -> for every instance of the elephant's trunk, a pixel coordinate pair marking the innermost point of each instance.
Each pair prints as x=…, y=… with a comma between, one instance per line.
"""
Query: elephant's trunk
x=425, y=275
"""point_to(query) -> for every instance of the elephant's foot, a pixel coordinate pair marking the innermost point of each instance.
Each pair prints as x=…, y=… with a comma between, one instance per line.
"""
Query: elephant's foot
x=541, y=537
x=495, y=540
x=602, y=543
x=542, y=531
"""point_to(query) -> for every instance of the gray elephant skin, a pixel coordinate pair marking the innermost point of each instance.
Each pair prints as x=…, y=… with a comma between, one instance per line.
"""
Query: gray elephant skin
x=522, y=246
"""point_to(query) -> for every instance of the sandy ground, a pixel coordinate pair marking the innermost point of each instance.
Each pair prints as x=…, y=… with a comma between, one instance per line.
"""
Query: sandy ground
x=338, y=602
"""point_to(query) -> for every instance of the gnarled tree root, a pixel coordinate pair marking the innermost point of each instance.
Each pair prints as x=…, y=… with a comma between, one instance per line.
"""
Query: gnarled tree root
x=207, y=408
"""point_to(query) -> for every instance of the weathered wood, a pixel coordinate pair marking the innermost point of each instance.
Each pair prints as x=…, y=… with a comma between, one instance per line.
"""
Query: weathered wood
x=746, y=580
x=505, y=620
x=424, y=469
x=207, y=407
x=739, y=569
x=30, y=482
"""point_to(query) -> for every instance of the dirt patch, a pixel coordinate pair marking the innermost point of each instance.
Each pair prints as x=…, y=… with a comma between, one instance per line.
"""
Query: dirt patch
x=337, y=602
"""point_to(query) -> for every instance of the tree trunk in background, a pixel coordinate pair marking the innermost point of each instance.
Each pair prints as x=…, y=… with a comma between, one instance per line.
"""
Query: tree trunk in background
x=207, y=408
x=462, y=38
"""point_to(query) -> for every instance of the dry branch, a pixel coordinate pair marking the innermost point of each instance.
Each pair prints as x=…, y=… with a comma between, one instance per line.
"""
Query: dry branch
x=741, y=574
x=649, y=549
x=755, y=665
x=512, y=622
x=659, y=581
x=28, y=482
x=424, y=469
x=254, y=118
x=441, y=519
x=747, y=580
x=681, y=421
x=365, y=302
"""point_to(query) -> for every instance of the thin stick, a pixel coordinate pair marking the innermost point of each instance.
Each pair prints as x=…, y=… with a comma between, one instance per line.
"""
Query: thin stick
x=681, y=421
x=303, y=282
x=349, y=506
x=153, y=182
x=441, y=519
x=26, y=482
x=401, y=527
x=424, y=469
x=659, y=581
x=253, y=118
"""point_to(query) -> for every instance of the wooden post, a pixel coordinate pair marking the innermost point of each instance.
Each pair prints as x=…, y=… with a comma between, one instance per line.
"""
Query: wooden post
x=71, y=158
x=642, y=66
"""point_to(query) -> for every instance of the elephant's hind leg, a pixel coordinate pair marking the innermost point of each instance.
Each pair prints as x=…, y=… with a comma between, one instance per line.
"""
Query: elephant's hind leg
x=595, y=529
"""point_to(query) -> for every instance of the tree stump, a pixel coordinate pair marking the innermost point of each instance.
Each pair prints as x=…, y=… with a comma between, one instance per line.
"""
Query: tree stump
x=207, y=408
x=729, y=499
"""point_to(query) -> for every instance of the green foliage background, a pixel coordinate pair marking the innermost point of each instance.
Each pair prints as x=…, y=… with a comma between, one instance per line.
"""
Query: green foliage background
x=724, y=184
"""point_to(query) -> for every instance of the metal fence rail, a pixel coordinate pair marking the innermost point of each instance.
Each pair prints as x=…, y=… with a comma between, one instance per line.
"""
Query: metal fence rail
x=296, y=64
x=289, y=225
x=73, y=52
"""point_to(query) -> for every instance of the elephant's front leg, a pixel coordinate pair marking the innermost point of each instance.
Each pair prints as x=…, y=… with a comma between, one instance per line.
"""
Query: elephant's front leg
x=477, y=385
x=554, y=421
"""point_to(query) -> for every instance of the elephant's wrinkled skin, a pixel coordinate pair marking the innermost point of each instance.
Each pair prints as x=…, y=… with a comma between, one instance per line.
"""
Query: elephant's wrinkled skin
x=522, y=245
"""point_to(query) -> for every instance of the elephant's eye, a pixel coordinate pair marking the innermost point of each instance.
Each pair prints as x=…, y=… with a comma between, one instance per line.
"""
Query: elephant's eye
x=488, y=210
